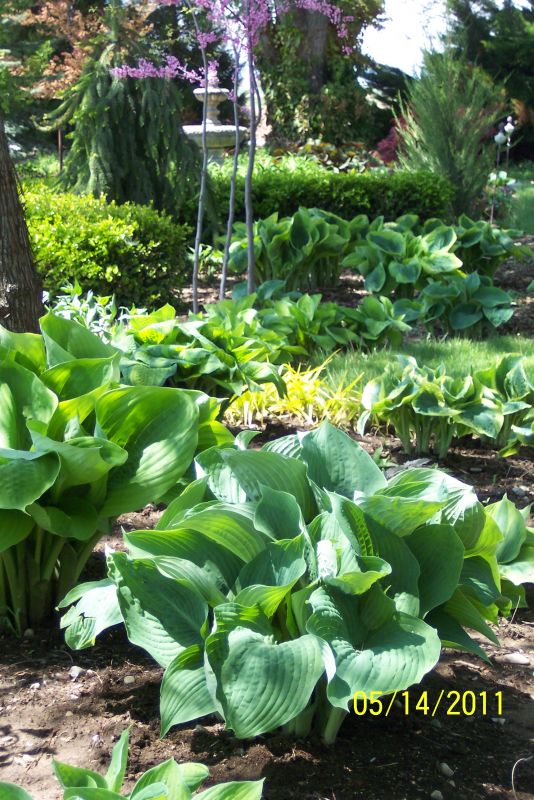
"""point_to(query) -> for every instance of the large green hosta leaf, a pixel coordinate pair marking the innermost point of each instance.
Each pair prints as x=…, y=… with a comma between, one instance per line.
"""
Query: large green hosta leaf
x=158, y=429
x=375, y=647
x=260, y=684
x=161, y=615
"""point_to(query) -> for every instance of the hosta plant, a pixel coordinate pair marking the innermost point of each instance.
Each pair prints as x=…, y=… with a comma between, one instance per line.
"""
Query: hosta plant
x=169, y=780
x=469, y=305
x=311, y=398
x=512, y=383
x=78, y=449
x=483, y=247
x=284, y=580
x=428, y=408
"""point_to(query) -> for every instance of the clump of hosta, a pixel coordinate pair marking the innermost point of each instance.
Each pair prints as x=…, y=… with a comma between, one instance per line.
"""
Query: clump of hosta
x=309, y=399
x=77, y=450
x=284, y=580
x=168, y=780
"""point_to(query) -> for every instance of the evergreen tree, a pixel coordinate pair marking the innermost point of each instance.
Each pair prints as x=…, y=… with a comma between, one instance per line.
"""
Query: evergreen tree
x=127, y=139
x=445, y=125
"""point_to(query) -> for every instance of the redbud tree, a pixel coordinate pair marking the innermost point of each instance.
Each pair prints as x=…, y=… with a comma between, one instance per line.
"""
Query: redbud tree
x=237, y=25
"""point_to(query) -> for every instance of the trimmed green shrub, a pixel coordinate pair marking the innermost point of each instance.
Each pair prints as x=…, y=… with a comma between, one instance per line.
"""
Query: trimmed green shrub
x=134, y=252
x=289, y=183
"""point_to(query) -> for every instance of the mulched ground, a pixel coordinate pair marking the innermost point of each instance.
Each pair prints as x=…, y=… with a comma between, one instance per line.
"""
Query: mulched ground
x=46, y=713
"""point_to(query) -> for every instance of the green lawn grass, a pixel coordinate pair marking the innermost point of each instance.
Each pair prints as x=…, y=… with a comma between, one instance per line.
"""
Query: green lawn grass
x=460, y=356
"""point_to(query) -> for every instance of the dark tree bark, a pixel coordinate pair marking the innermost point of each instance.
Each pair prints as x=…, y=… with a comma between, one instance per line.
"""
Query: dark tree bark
x=313, y=50
x=20, y=287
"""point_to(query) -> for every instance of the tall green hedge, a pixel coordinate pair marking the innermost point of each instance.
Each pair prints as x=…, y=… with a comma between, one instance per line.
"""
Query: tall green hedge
x=132, y=251
x=375, y=193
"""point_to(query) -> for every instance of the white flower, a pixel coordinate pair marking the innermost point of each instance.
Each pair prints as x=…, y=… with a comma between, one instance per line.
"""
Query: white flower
x=500, y=138
x=326, y=559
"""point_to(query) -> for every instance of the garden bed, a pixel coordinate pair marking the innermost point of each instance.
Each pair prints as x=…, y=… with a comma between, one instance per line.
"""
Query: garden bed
x=47, y=714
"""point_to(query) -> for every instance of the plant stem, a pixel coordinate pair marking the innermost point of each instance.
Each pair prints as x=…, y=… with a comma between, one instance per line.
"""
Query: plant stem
x=233, y=181
x=57, y=545
x=16, y=590
x=249, y=211
x=333, y=724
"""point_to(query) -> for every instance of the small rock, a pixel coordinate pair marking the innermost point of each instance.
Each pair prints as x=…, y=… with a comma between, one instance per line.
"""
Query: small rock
x=445, y=770
x=74, y=696
x=76, y=672
x=201, y=729
x=35, y=686
x=129, y=679
x=436, y=795
x=69, y=714
x=239, y=751
x=498, y=720
x=474, y=470
x=28, y=633
x=526, y=489
x=96, y=740
x=452, y=783
x=435, y=723
x=90, y=673
x=518, y=491
x=516, y=658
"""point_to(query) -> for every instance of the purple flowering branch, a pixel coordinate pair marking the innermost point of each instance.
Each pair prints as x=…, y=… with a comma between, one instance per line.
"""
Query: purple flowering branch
x=239, y=26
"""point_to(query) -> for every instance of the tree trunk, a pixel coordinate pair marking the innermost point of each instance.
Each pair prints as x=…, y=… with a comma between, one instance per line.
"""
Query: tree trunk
x=20, y=287
x=313, y=51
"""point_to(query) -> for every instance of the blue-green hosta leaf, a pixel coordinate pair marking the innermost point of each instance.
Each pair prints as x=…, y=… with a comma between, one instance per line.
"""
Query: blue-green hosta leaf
x=285, y=446
x=260, y=684
x=184, y=690
x=352, y=523
x=278, y=514
x=358, y=573
x=466, y=613
x=234, y=790
x=158, y=427
x=484, y=417
x=440, y=554
x=480, y=579
x=193, y=494
x=387, y=658
x=339, y=464
x=405, y=272
x=25, y=477
x=189, y=574
x=452, y=634
x=521, y=569
x=96, y=609
x=74, y=378
x=400, y=515
x=216, y=561
x=375, y=280
x=67, y=340
x=239, y=475
x=464, y=316
x=15, y=527
x=389, y=242
x=231, y=526
x=512, y=526
x=268, y=578
x=162, y=616
x=403, y=581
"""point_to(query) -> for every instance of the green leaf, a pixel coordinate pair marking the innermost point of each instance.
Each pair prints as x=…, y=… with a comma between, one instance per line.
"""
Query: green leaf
x=184, y=691
x=512, y=526
x=81, y=793
x=260, y=684
x=521, y=569
x=25, y=477
x=27, y=348
x=440, y=554
x=278, y=514
x=117, y=765
x=453, y=635
x=9, y=791
x=234, y=790
x=388, y=242
x=68, y=775
x=162, y=616
x=96, y=609
x=339, y=464
x=158, y=427
x=385, y=659
x=15, y=527
x=67, y=340
x=171, y=775
x=463, y=610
